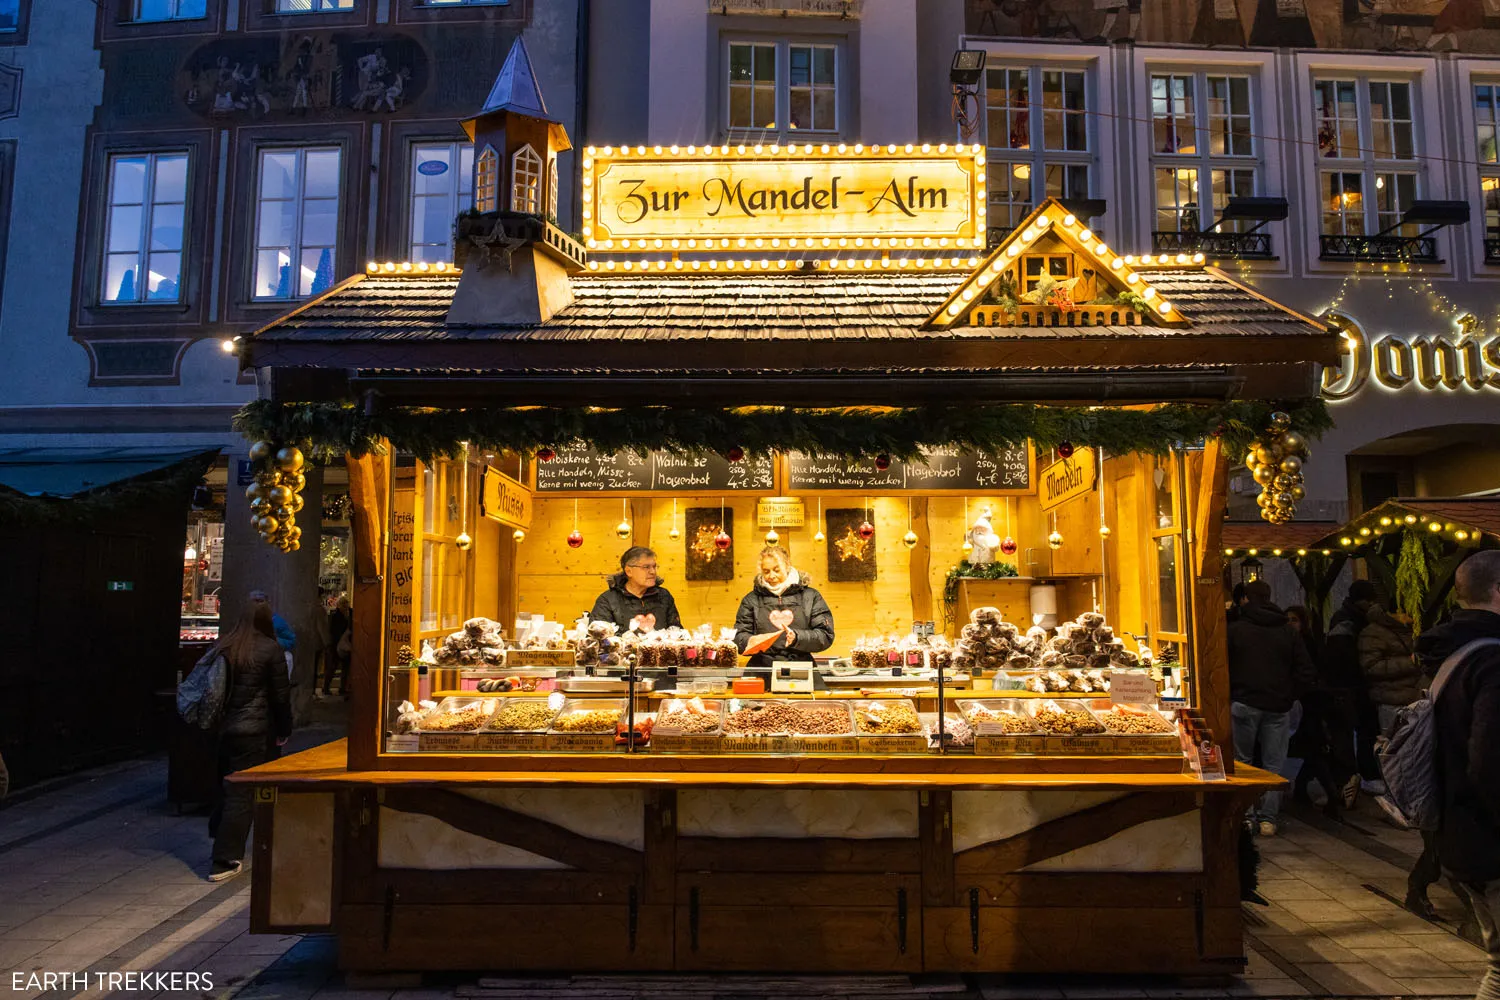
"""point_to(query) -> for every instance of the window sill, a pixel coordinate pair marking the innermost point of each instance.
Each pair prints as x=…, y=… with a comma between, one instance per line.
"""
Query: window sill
x=163, y=20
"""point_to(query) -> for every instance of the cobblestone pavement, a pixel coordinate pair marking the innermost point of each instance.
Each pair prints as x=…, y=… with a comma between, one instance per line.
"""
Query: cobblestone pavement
x=97, y=875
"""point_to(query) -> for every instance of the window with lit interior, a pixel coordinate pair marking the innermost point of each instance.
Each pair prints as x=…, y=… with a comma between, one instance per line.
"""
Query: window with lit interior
x=487, y=181
x=776, y=89
x=296, y=222
x=442, y=186
x=143, y=238
x=1202, y=148
x=1368, y=174
x=526, y=181
x=1038, y=139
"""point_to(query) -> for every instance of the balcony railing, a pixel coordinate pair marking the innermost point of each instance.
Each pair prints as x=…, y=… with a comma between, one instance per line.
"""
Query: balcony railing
x=1385, y=249
x=995, y=235
x=1234, y=246
x=1492, y=250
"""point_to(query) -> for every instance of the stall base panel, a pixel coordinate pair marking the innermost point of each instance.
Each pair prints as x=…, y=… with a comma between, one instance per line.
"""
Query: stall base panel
x=807, y=939
x=476, y=937
x=301, y=860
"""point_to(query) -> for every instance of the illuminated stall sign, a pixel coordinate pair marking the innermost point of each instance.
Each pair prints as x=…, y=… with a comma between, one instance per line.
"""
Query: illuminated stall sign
x=812, y=195
x=1435, y=362
x=504, y=499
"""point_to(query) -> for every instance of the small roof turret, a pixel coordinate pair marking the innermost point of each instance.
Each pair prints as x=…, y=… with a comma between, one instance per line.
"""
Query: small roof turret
x=516, y=92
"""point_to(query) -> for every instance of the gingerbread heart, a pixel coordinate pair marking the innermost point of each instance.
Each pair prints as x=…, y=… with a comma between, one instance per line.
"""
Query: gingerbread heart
x=781, y=618
x=643, y=623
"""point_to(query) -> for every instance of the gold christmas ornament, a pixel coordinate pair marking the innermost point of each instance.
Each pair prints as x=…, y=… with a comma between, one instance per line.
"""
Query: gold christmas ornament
x=296, y=481
x=1297, y=492
x=1281, y=481
x=518, y=535
x=297, y=503
x=261, y=451
x=1264, y=475
x=1252, y=459
x=1104, y=531
x=1055, y=540
x=280, y=496
x=1291, y=464
x=268, y=524
x=674, y=534
x=254, y=492
x=1280, y=421
x=818, y=536
x=463, y=541
x=772, y=538
x=622, y=529
x=293, y=545
x=1265, y=456
x=268, y=479
x=968, y=546
x=909, y=539
x=289, y=459
x=282, y=513
x=1293, y=442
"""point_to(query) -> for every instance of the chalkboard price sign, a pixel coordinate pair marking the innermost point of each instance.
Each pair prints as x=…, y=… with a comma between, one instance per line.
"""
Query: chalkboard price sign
x=941, y=470
x=580, y=469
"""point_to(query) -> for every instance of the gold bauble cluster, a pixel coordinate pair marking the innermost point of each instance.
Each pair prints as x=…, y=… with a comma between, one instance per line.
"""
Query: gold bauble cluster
x=276, y=494
x=1275, y=460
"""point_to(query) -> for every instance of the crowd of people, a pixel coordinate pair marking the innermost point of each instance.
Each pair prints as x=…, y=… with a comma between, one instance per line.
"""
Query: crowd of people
x=1333, y=700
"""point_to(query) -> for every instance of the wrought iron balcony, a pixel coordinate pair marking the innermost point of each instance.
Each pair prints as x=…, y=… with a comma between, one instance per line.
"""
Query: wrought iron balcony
x=1234, y=246
x=1383, y=248
x=995, y=235
x=1492, y=250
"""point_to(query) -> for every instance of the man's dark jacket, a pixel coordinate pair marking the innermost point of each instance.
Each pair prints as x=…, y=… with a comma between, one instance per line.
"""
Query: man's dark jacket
x=1467, y=717
x=620, y=606
x=1268, y=662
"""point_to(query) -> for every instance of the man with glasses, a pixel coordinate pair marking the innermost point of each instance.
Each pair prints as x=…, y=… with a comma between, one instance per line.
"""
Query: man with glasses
x=636, y=600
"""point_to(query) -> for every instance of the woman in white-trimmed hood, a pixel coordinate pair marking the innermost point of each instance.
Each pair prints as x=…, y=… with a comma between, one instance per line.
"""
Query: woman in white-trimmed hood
x=782, y=600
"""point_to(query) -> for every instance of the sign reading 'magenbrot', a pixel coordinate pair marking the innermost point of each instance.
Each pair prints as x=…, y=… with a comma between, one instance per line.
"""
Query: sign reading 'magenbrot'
x=928, y=197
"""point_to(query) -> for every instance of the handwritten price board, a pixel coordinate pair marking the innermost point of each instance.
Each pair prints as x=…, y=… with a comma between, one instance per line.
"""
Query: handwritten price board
x=580, y=469
x=941, y=470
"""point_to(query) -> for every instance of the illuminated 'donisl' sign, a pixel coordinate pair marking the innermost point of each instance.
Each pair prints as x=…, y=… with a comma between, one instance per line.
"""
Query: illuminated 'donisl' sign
x=1462, y=360
x=800, y=195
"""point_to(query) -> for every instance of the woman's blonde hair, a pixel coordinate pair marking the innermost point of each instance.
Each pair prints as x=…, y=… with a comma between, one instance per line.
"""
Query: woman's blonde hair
x=782, y=556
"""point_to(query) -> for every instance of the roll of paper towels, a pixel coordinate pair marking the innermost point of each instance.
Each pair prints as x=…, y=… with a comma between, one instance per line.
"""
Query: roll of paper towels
x=1044, y=605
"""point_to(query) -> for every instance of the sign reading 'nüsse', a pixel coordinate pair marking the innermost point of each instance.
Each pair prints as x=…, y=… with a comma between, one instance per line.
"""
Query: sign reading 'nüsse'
x=896, y=196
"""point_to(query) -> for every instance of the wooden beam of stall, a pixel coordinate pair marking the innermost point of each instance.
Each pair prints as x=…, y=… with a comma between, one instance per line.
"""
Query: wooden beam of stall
x=1210, y=632
x=921, y=562
x=369, y=493
x=640, y=522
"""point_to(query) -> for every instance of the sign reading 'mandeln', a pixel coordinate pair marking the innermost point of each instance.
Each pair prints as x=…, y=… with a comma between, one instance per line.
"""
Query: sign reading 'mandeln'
x=813, y=195
x=1067, y=478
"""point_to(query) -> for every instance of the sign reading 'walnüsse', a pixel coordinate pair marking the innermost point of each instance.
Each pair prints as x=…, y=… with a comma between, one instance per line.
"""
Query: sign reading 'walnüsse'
x=712, y=197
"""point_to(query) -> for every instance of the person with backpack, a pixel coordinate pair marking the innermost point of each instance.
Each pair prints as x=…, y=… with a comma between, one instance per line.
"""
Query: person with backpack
x=1466, y=727
x=256, y=719
x=1268, y=670
x=1392, y=677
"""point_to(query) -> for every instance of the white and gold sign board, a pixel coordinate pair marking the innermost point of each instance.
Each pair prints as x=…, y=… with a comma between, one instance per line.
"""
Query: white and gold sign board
x=813, y=195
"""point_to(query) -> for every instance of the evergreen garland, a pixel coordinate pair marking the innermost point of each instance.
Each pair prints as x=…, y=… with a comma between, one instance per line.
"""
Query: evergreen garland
x=329, y=430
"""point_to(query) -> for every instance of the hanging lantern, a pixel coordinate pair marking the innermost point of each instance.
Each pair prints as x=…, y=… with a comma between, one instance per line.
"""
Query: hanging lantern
x=882, y=462
x=575, y=539
x=735, y=454
x=1008, y=545
x=866, y=530
x=722, y=541
x=519, y=535
x=261, y=451
x=622, y=530
x=1055, y=540
x=546, y=454
x=463, y=541
x=1065, y=449
x=289, y=459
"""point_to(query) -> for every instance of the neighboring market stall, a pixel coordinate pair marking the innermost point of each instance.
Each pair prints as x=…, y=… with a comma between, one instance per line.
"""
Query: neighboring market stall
x=1031, y=788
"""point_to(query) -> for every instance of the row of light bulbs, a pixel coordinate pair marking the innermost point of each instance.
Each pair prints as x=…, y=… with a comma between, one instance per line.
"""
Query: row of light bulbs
x=776, y=242
x=1459, y=534
x=1275, y=552
x=791, y=149
x=783, y=264
x=407, y=267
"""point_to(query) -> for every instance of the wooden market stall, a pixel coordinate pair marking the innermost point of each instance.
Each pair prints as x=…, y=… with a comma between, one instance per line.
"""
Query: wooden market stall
x=511, y=428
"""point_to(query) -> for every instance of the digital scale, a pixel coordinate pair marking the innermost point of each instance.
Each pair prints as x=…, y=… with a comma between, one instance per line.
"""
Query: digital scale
x=792, y=677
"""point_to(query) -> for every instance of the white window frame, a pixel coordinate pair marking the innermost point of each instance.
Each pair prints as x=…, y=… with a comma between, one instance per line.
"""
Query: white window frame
x=457, y=202
x=465, y=3
x=1472, y=72
x=148, y=206
x=1487, y=158
x=176, y=15
x=297, y=247
x=782, y=87
x=1037, y=158
x=487, y=180
x=526, y=180
x=1202, y=160
x=549, y=209
x=1376, y=171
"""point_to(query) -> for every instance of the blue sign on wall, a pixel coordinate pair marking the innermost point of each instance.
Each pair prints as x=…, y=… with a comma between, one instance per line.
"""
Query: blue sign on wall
x=432, y=168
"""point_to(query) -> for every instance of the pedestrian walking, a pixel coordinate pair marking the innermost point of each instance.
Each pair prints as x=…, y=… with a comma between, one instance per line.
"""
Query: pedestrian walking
x=1268, y=669
x=285, y=637
x=257, y=720
x=1467, y=721
x=341, y=633
x=1312, y=741
x=1392, y=677
x=322, y=641
x=1353, y=723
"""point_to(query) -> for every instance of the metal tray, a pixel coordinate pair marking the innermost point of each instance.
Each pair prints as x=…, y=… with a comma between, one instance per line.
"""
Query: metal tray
x=664, y=725
x=867, y=704
x=504, y=703
x=453, y=704
x=572, y=705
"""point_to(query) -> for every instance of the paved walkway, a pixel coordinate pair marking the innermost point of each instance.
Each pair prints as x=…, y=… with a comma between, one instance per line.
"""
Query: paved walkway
x=97, y=875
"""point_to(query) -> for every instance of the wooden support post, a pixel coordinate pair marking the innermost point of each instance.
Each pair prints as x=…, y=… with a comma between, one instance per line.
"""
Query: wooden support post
x=921, y=562
x=369, y=493
x=1210, y=628
x=640, y=522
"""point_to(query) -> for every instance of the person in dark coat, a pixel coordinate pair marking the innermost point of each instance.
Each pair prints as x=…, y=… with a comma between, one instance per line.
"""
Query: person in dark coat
x=635, y=598
x=1355, y=721
x=1467, y=721
x=782, y=600
x=1268, y=670
x=1392, y=676
x=257, y=720
x=341, y=645
x=1311, y=742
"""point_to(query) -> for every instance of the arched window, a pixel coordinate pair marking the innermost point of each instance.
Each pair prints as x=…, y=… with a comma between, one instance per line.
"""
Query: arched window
x=487, y=181
x=526, y=181
x=551, y=187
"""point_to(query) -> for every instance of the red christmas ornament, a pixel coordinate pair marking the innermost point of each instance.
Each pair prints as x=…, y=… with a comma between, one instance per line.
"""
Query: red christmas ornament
x=1065, y=449
x=882, y=462
x=575, y=539
x=1219, y=430
x=546, y=454
x=735, y=454
x=1008, y=545
x=722, y=541
x=866, y=530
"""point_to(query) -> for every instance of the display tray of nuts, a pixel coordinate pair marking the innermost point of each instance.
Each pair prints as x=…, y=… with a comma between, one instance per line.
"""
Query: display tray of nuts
x=589, y=715
x=886, y=717
x=760, y=718
x=521, y=715
x=999, y=718
x=456, y=715
x=1136, y=720
x=690, y=717
x=960, y=733
x=1064, y=719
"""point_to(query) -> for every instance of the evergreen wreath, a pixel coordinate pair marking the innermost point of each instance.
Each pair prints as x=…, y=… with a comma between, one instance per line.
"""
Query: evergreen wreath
x=330, y=430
